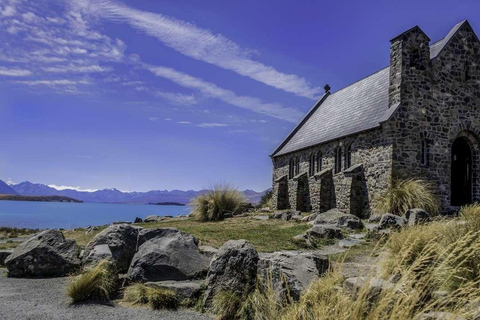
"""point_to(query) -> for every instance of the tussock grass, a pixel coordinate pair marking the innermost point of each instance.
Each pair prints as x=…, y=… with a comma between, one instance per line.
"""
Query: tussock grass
x=405, y=194
x=96, y=284
x=215, y=202
x=226, y=305
x=157, y=298
x=425, y=259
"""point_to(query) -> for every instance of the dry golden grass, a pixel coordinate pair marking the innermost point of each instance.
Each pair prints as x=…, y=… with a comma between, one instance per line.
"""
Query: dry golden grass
x=215, y=202
x=439, y=256
x=405, y=194
x=97, y=284
x=156, y=298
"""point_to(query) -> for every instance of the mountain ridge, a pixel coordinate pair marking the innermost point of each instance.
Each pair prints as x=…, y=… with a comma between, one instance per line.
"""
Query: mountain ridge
x=113, y=195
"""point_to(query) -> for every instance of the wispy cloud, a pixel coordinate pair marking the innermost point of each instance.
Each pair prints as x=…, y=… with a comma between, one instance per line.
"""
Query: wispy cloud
x=178, y=98
x=212, y=125
x=209, y=89
x=153, y=119
x=201, y=44
x=50, y=83
x=77, y=69
x=184, y=122
x=14, y=72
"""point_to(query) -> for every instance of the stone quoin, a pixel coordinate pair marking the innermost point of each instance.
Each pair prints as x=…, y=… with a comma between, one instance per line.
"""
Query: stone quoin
x=419, y=117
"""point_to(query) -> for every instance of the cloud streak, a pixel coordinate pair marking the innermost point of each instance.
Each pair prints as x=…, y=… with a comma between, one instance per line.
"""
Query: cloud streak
x=197, y=43
x=14, y=72
x=209, y=89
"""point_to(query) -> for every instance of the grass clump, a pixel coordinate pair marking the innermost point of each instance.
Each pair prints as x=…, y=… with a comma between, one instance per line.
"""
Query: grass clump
x=96, y=284
x=227, y=305
x=266, y=200
x=157, y=298
x=214, y=203
x=405, y=194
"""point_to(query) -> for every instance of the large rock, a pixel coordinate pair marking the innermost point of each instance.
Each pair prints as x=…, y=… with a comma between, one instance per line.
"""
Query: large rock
x=4, y=255
x=234, y=269
x=310, y=217
x=45, y=254
x=290, y=273
x=167, y=254
x=153, y=218
x=339, y=219
x=391, y=221
x=416, y=216
x=120, y=239
x=324, y=232
x=374, y=286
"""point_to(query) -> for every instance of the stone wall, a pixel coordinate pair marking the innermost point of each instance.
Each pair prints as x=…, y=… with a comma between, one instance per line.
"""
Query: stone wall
x=440, y=101
x=334, y=190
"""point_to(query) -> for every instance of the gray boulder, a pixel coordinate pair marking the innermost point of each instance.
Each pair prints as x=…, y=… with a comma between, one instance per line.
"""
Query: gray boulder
x=153, y=218
x=391, y=221
x=287, y=215
x=374, y=218
x=167, y=254
x=416, y=216
x=440, y=315
x=234, y=269
x=4, y=255
x=374, y=286
x=183, y=289
x=310, y=217
x=324, y=232
x=121, y=240
x=290, y=273
x=138, y=220
x=339, y=219
x=278, y=215
x=45, y=254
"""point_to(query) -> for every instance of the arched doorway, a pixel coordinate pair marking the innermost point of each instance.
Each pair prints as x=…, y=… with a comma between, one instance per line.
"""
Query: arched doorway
x=461, y=183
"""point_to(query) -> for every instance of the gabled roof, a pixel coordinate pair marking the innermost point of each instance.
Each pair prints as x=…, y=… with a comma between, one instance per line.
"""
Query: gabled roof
x=358, y=107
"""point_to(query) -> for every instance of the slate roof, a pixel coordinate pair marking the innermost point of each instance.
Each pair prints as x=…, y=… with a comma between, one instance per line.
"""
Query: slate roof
x=358, y=107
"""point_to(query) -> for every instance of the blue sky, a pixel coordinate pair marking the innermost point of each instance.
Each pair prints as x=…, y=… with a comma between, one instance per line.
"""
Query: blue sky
x=174, y=94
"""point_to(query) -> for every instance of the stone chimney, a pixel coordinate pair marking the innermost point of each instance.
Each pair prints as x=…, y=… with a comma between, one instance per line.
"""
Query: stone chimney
x=409, y=61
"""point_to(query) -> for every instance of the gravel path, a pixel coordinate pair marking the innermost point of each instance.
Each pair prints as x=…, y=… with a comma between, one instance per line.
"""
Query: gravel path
x=39, y=299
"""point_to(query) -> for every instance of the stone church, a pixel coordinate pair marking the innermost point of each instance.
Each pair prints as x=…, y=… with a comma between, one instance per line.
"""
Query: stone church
x=419, y=117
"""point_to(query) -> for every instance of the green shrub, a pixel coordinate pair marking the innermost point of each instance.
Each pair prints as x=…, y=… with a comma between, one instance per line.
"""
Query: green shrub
x=157, y=298
x=405, y=194
x=97, y=284
x=215, y=202
x=266, y=200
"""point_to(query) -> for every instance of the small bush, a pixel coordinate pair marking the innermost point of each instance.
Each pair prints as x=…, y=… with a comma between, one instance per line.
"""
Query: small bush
x=97, y=284
x=157, y=298
x=405, y=194
x=215, y=202
x=266, y=200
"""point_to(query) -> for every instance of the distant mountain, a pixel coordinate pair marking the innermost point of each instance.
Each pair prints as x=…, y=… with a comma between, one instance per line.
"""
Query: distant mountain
x=116, y=196
x=6, y=189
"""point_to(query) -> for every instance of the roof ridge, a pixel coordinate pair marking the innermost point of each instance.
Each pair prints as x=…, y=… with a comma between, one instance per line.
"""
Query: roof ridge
x=368, y=76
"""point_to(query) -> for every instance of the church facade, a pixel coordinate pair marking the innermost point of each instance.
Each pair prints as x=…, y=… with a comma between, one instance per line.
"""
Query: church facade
x=419, y=117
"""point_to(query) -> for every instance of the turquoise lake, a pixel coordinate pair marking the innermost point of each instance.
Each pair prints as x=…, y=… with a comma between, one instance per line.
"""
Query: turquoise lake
x=41, y=215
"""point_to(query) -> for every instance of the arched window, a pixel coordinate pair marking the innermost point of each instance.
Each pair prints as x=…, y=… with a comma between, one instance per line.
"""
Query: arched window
x=311, y=168
x=466, y=74
x=348, y=156
x=291, y=168
x=424, y=153
x=319, y=161
x=338, y=159
x=297, y=166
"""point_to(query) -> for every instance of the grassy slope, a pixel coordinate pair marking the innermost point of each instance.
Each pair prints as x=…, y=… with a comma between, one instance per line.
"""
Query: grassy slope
x=266, y=236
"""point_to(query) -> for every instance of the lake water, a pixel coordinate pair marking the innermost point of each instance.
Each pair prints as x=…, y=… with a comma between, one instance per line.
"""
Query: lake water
x=30, y=214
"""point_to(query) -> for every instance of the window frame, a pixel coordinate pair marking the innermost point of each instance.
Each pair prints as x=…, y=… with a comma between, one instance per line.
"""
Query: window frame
x=424, y=152
x=338, y=159
x=319, y=161
x=348, y=156
x=311, y=163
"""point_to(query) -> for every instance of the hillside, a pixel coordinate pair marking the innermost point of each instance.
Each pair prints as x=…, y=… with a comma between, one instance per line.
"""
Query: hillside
x=38, y=198
x=6, y=189
x=116, y=196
